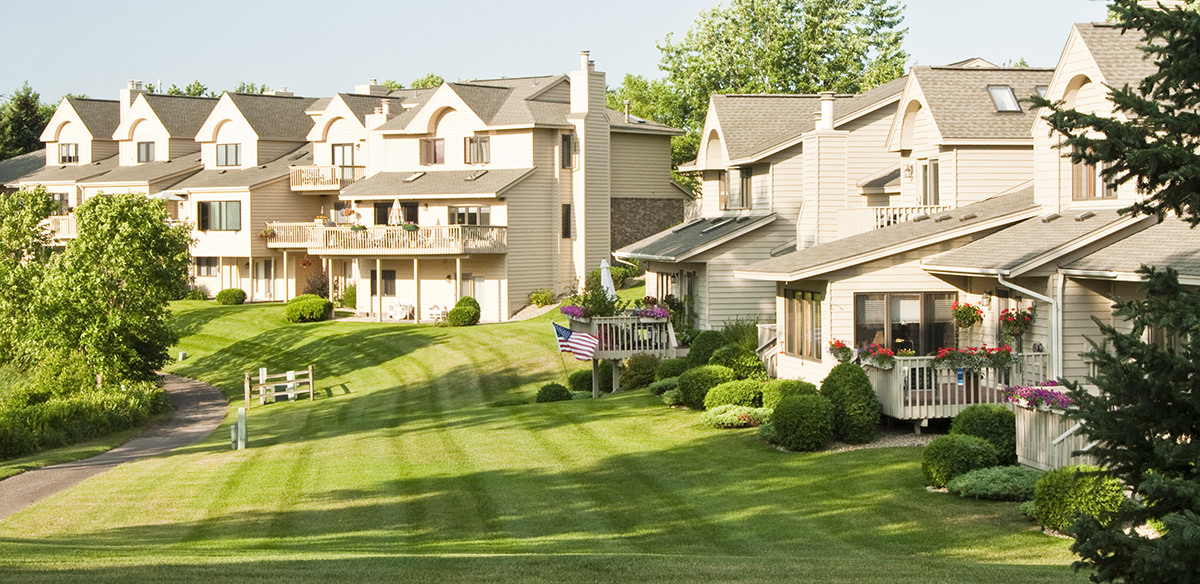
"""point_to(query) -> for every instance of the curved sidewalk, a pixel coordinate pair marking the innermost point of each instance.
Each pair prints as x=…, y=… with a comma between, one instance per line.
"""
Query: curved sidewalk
x=199, y=409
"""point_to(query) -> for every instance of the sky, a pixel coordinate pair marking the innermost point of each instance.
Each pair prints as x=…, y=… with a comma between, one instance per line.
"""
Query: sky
x=317, y=48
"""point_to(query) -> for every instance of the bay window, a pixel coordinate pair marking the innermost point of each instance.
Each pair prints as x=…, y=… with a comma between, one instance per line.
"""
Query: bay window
x=802, y=323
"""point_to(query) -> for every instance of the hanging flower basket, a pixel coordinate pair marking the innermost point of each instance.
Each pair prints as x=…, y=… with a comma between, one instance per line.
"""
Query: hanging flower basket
x=410, y=226
x=966, y=315
x=347, y=212
x=879, y=357
x=358, y=228
x=1014, y=322
x=267, y=233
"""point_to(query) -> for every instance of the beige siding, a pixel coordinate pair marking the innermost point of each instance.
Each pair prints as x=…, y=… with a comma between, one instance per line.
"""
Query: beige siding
x=641, y=166
x=277, y=202
x=222, y=243
x=558, y=93
x=268, y=150
x=1082, y=299
x=974, y=174
x=787, y=184
x=531, y=208
x=181, y=149
x=728, y=298
x=144, y=130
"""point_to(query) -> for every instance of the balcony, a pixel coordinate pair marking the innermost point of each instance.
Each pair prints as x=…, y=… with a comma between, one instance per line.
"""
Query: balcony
x=914, y=390
x=855, y=221
x=622, y=337
x=390, y=240
x=325, y=178
x=62, y=226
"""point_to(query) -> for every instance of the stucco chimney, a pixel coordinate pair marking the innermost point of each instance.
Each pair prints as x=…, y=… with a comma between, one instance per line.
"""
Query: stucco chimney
x=281, y=92
x=130, y=93
x=385, y=107
x=826, y=111
x=372, y=87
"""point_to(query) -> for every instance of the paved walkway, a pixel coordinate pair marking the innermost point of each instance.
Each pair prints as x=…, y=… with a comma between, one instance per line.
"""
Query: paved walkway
x=199, y=409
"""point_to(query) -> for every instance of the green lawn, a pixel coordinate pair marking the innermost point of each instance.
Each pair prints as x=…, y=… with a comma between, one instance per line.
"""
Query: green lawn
x=402, y=469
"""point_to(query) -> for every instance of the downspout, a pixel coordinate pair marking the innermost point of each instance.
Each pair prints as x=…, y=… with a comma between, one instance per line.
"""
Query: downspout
x=1055, y=321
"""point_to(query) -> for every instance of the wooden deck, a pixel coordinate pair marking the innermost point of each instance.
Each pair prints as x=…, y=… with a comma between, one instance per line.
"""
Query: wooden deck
x=914, y=390
x=622, y=337
x=386, y=240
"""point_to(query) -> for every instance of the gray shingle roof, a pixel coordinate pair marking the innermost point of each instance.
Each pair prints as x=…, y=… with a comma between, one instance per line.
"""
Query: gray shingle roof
x=862, y=246
x=99, y=116
x=278, y=168
x=275, y=117
x=1171, y=243
x=1118, y=55
x=181, y=115
x=679, y=243
x=1035, y=238
x=149, y=171
x=364, y=105
x=16, y=167
x=435, y=183
x=71, y=172
x=963, y=109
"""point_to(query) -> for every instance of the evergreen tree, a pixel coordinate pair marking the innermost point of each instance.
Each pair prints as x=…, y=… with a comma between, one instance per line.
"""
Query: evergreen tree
x=22, y=119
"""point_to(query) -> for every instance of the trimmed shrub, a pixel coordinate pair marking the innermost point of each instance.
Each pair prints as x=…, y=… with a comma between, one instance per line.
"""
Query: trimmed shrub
x=468, y=301
x=998, y=483
x=994, y=423
x=670, y=368
x=672, y=397
x=349, y=298
x=541, y=297
x=552, y=392
x=1063, y=494
x=803, y=423
x=767, y=432
x=197, y=293
x=703, y=347
x=744, y=362
x=695, y=383
x=664, y=385
x=231, y=296
x=308, y=308
x=744, y=392
x=856, y=409
x=731, y=416
x=742, y=332
x=581, y=380
x=952, y=455
x=462, y=316
x=638, y=371
x=777, y=389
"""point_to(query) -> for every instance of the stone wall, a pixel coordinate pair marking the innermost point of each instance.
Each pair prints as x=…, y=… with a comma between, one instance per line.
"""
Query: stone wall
x=635, y=219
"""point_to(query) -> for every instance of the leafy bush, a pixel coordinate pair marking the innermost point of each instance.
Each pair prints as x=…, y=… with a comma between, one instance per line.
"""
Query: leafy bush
x=803, y=423
x=998, y=483
x=670, y=368
x=767, y=432
x=856, y=408
x=703, y=346
x=581, y=395
x=462, y=316
x=777, y=389
x=664, y=385
x=744, y=362
x=672, y=397
x=695, y=383
x=745, y=392
x=1063, y=494
x=552, y=392
x=951, y=455
x=731, y=416
x=468, y=301
x=994, y=423
x=317, y=284
x=349, y=298
x=742, y=332
x=638, y=371
x=581, y=380
x=541, y=297
x=308, y=308
x=197, y=293
x=231, y=296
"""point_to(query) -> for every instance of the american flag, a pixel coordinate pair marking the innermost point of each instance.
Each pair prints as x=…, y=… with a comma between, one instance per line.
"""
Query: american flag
x=582, y=345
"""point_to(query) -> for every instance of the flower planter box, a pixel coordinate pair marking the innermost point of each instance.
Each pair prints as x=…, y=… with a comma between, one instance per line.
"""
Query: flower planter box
x=1043, y=441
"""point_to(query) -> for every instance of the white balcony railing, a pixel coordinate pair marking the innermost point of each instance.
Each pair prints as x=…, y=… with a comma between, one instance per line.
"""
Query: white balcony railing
x=390, y=240
x=62, y=226
x=885, y=216
x=325, y=178
x=622, y=337
x=914, y=390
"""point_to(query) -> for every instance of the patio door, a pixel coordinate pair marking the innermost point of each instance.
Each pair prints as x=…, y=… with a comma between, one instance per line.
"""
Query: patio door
x=343, y=160
x=264, y=276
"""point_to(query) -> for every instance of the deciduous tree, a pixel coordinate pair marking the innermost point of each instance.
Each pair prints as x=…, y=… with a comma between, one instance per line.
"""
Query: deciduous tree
x=23, y=257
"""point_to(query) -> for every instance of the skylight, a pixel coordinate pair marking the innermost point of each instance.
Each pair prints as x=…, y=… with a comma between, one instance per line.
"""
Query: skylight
x=1041, y=89
x=1004, y=97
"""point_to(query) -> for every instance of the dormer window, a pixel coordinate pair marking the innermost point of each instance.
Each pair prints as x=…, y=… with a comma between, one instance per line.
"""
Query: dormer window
x=734, y=191
x=145, y=152
x=1004, y=98
x=477, y=150
x=433, y=151
x=1087, y=184
x=229, y=154
x=68, y=153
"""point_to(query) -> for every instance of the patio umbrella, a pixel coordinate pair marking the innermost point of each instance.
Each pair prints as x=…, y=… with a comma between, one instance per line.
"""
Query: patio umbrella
x=606, y=280
x=395, y=214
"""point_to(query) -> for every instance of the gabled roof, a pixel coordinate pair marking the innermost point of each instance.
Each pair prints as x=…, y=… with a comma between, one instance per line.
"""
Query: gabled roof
x=16, y=167
x=181, y=115
x=275, y=117
x=436, y=184
x=886, y=181
x=962, y=108
x=850, y=251
x=99, y=116
x=364, y=105
x=70, y=172
x=1032, y=243
x=147, y=172
x=1118, y=55
x=249, y=177
x=1171, y=243
x=484, y=100
x=685, y=241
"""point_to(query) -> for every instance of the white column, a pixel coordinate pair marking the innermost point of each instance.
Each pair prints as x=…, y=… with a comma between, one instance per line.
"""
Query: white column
x=379, y=290
x=457, y=278
x=417, y=289
x=286, y=288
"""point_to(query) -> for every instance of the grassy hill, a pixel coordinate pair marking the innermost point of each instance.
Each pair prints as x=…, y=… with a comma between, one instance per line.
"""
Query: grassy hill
x=405, y=469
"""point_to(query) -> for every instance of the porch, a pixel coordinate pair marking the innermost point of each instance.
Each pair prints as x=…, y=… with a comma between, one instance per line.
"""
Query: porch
x=62, y=226
x=622, y=337
x=914, y=389
x=387, y=240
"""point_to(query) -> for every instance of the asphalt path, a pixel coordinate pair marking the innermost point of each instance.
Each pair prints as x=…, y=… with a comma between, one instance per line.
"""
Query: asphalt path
x=199, y=409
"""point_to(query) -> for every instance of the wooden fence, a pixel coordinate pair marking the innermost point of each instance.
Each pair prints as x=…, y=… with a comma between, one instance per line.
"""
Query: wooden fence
x=1046, y=439
x=281, y=384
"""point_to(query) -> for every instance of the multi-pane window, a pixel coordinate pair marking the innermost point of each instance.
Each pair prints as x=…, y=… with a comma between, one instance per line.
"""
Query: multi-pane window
x=219, y=215
x=342, y=156
x=61, y=203
x=389, y=283
x=566, y=153
x=206, y=266
x=433, y=151
x=477, y=150
x=1086, y=183
x=463, y=215
x=68, y=153
x=734, y=191
x=930, y=187
x=145, y=151
x=802, y=323
x=229, y=154
x=920, y=321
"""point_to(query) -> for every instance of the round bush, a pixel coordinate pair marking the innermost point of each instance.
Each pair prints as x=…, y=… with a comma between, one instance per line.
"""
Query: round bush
x=855, y=406
x=743, y=392
x=744, y=362
x=582, y=380
x=308, y=308
x=731, y=416
x=994, y=423
x=465, y=315
x=670, y=368
x=998, y=483
x=552, y=392
x=638, y=371
x=954, y=454
x=468, y=301
x=541, y=297
x=695, y=383
x=664, y=385
x=803, y=423
x=672, y=397
x=703, y=346
x=777, y=389
x=231, y=296
x=1063, y=494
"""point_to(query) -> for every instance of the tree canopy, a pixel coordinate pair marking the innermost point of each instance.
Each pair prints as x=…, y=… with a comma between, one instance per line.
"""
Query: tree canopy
x=22, y=119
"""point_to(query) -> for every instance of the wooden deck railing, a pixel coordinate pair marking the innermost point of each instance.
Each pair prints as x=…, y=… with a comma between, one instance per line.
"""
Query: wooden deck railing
x=885, y=216
x=62, y=226
x=390, y=240
x=1047, y=439
x=325, y=178
x=914, y=390
x=622, y=337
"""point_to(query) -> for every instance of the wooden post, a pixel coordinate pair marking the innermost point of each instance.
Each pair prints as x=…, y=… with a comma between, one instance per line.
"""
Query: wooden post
x=312, y=385
x=247, y=390
x=379, y=290
x=457, y=278
x=595, y=378
x=250, y=272
x=417, y=290
x=329, y=275
x=616, y=369
x=262, y=382
x=286, y=289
